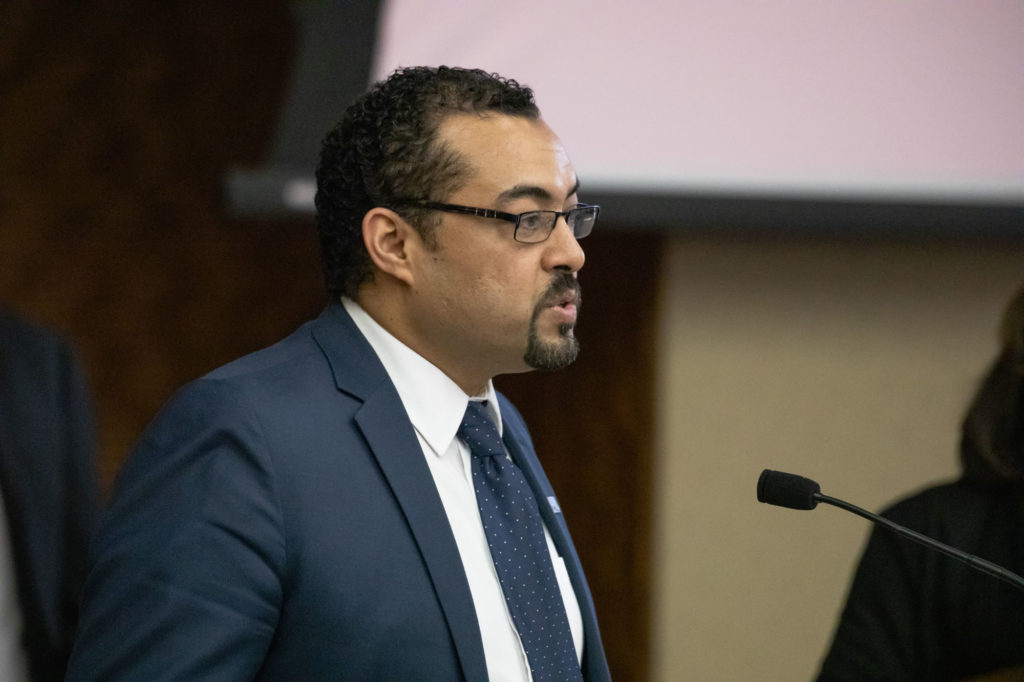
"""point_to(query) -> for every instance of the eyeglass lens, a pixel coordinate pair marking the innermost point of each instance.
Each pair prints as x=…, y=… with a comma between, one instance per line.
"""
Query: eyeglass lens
x=538, y=225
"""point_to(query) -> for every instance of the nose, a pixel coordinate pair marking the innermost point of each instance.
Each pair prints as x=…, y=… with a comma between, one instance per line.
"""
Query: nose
x=563, y=249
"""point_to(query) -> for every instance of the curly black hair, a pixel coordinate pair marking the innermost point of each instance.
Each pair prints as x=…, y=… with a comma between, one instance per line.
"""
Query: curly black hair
x=385, y=148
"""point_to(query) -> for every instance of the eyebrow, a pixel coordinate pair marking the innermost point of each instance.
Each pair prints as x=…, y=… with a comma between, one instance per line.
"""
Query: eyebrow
x=533, y=192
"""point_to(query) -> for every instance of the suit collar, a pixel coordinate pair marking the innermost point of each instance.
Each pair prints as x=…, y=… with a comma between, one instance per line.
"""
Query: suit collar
x=355, y=367
x=435, y=404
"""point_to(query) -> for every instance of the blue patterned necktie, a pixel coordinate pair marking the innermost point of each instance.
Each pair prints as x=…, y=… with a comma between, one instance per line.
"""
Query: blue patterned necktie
x=515, y=534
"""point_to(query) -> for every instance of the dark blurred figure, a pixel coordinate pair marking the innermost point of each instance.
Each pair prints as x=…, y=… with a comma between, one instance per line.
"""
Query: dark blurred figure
x=915, y=614
x=49, y=492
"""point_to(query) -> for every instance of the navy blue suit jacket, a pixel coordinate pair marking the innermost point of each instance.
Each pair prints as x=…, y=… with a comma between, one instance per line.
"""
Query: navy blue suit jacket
x=48, y=478
x=278, y=521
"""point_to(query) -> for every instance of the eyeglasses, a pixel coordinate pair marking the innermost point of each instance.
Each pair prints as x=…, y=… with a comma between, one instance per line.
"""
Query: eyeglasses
x=532, y=227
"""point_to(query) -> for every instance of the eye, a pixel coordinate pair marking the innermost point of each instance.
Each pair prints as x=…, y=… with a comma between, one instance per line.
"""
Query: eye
x=531, y=221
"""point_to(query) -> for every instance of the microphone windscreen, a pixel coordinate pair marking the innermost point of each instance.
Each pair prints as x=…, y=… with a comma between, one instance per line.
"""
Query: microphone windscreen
x=787, y=490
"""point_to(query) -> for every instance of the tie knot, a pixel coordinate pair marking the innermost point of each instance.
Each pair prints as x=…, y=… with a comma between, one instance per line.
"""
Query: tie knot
x=479, y=431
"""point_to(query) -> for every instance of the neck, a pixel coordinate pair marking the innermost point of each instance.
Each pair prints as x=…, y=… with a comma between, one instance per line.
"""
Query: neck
x=385, y=311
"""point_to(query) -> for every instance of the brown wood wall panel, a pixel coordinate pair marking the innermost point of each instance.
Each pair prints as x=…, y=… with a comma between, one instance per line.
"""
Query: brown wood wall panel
x=117, y=125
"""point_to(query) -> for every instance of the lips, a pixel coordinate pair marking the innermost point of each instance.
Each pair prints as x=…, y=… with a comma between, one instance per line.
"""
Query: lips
x=563, y=297
x=567, y=298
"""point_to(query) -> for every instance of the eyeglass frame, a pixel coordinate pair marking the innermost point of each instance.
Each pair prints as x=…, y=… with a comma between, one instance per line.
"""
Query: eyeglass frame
x=508, y=217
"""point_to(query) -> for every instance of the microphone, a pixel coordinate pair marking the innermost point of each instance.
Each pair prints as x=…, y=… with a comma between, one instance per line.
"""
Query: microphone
x=787, y=490
x=796, y=492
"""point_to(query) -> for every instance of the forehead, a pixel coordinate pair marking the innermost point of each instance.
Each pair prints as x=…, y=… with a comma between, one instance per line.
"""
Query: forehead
x=505, y=152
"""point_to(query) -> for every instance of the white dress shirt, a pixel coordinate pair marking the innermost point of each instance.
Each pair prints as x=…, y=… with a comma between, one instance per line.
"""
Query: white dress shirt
x=435, y=406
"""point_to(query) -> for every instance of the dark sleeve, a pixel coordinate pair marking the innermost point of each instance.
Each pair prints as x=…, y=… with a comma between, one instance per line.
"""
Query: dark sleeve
x=888, y=626
x=874, y=636
x=48, y=472
x=188, y=565
x=80, y=494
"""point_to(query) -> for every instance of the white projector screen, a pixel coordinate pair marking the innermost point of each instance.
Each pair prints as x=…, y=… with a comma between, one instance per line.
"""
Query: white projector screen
x=915, y=101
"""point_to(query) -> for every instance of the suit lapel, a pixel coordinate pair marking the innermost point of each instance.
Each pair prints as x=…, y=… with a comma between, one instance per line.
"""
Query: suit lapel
x=383, y=421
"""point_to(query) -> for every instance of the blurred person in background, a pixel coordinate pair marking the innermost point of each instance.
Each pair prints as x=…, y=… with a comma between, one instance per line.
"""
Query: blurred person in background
x=48, y=498
x=915, y=614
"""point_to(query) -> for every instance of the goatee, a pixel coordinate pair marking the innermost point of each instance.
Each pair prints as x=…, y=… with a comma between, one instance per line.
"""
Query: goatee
x=562, y=352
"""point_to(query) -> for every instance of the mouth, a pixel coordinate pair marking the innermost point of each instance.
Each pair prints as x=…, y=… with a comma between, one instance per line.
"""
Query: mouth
x=564, y=304
x=566, y=299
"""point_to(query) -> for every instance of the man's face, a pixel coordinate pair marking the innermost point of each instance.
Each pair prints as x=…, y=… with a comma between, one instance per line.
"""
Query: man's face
x=485, y=303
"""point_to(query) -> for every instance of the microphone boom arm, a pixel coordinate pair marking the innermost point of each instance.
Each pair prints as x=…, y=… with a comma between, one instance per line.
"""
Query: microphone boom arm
x=969, y=559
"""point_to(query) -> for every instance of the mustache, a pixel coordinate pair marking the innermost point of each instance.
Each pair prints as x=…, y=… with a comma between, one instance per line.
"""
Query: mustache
x=562, y=284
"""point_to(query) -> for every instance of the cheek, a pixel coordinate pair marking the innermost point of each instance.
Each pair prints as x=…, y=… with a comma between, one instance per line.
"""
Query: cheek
x=493, y=304
x=492, y=287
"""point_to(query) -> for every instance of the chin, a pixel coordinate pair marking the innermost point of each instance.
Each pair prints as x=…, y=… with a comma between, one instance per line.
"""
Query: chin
x=552, y=355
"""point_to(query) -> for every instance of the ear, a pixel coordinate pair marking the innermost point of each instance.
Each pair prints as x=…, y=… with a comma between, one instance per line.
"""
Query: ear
x=387, y=236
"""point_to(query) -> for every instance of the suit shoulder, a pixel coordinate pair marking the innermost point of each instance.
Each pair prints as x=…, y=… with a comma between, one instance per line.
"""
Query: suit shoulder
x=273, y=382
x=295, y=349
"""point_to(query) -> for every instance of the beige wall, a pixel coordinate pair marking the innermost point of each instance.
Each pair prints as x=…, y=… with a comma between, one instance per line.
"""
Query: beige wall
x=847, y=363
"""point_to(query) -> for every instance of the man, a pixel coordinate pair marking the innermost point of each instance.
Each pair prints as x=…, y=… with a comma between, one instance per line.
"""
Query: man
x=48, y=498
x=328, y=508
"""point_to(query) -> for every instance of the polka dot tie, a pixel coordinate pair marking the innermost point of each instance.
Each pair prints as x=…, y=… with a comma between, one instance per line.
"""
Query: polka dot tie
x=515, y=535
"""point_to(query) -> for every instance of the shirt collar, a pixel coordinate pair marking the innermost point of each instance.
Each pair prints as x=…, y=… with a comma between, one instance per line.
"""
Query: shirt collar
x=435, y=404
